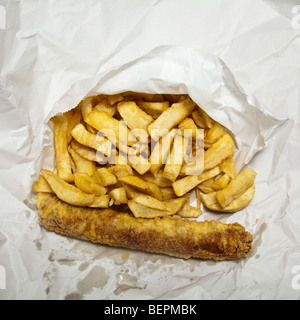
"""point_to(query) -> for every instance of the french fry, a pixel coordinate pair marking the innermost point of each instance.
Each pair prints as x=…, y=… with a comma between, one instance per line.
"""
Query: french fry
x=171, y=117
x=188, y=126
x=236, y=187
x=151, y=202
x=63, y=163
x=219, y=151
x=41, y=185
x=119, y=196
x=228, y=167
x=221, y=182
x=168, y=193
x=142, y=211
x=104, y=105
x=188, y=211
x=210, y=201
x=186, y=184
x=84, y=151
x=110, y=126
x=175, y=159
x=157, y=178
x=148, y=187
x=134, y=116
x=214, y=133
x=121, y=170
x=154, y=109
x=81, y=135
x=101, y=201
x=161, y=150
x=83, y=165
x=88, y=184
x=105, y=177
x=66, y=192
x=74, y=117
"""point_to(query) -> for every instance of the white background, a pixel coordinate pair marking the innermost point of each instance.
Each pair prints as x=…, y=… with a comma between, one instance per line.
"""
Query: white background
x=258, y=40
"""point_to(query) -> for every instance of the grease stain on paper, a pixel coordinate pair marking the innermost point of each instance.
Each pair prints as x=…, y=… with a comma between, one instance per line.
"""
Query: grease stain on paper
x=95, y=279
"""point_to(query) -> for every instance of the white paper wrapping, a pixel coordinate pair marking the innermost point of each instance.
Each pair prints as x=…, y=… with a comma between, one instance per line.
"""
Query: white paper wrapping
x=106, y=49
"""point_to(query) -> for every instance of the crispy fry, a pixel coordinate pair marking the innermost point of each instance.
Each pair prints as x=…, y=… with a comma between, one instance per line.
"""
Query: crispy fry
x=119, y=196
x=210, y=201
x=148, y=187
x=41, y=185
x=151, y=202
x=66, y=191
x=171, y=117
x=63, y=163
x=161, y=150
x=105, y=177
x=154, y=109
x=219, y=151
x=175, y=159
x=187, y=211
x=88, y=184
x=81, y=135
x=110, y=126
x=186, y=184
x=135, y=117
x=236, y=187
x=101, y=201
x=144, y=211
x=83, y=165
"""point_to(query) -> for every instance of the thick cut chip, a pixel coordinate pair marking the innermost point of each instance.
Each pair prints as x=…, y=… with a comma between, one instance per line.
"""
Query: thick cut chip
x=160, y=152
x=219, y=151
x=157, y=178
x=115, y=130
x=104, y=105
x=154, y=109
x=88, y=184
x=83, y=165
x=151, y=202
x=81, y=135
x=142, y=211
x=186, y=184
x=134, y=116
x=175, y=159
x=101, y=201
x=41, y=185
x=188, y=128
x=236, y=187
x=228, y=167
x=171, y=118
x=214, y=133
x=119, y=196
x=105, y=177
x=188, y=211
x=210, y=201
x=148, y=187
x=74, y=117
x=221, y=182
x=121, y=170
x=66, y=192
x=84, y=151
x=63, y=163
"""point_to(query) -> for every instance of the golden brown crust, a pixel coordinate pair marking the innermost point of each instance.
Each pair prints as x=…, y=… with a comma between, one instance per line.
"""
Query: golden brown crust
x=175, y=237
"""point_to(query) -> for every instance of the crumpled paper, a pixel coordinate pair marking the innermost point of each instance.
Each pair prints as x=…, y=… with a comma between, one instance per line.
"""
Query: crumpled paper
x=43, y=265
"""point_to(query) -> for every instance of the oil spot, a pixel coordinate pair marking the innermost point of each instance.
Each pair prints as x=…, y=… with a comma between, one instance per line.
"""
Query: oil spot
x=96, y=278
